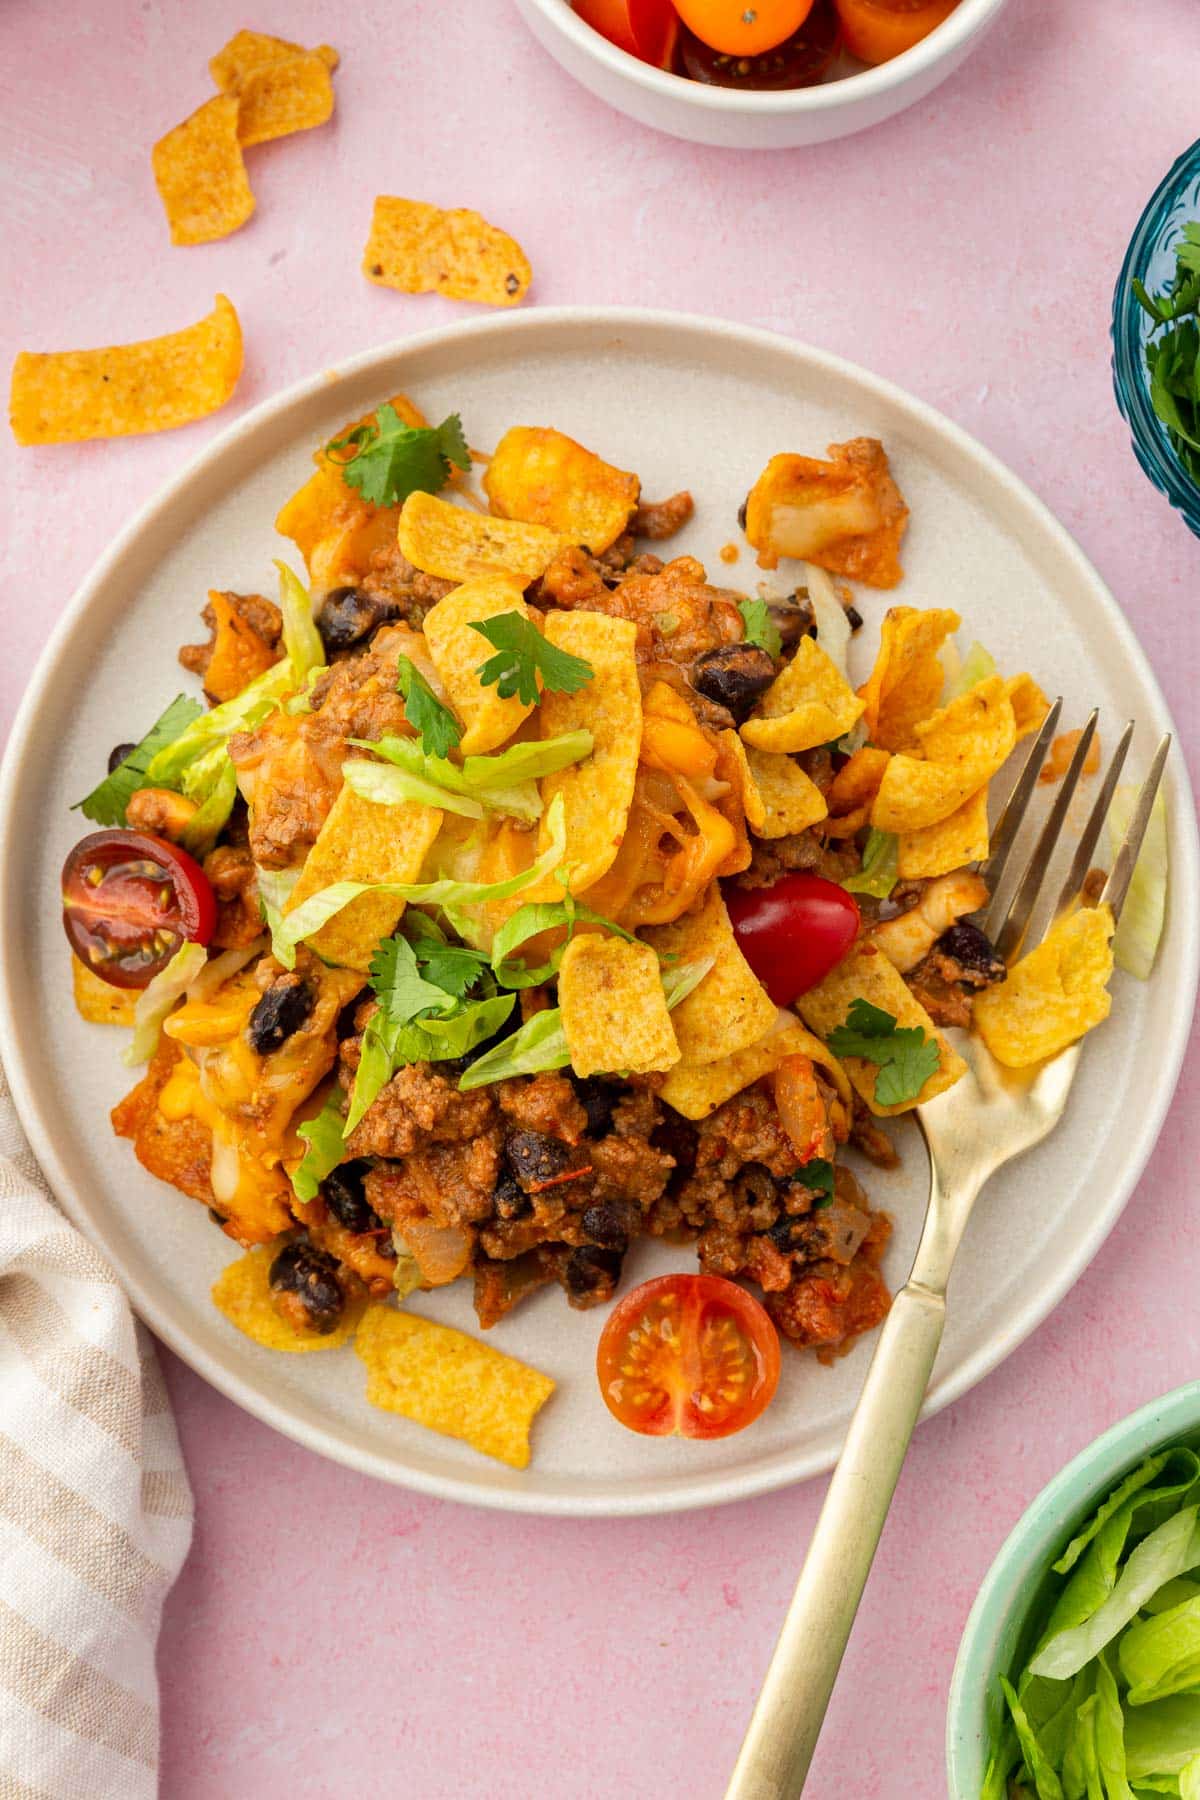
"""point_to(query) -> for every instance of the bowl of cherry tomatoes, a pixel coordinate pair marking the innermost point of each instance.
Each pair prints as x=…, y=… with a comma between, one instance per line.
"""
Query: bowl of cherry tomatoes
x=759, y=74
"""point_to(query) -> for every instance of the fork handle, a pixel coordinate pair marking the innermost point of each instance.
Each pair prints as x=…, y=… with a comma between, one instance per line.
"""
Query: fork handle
x=783, y=1731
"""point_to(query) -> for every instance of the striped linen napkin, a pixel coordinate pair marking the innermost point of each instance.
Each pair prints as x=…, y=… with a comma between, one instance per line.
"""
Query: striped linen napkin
x=95, y=1507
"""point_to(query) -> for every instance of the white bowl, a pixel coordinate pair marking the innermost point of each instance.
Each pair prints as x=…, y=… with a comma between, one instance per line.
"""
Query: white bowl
x=735, y=120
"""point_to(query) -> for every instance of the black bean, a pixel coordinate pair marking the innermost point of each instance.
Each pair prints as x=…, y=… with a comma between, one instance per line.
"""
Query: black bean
x=734, y=675
x=218, y=1218
x=605, y=1225
x=791, y=1233
x=591, y=1272
x=754, y=1184
x=281, y=1012
x=975, y=955
x=349, y=618
x=117, y=755
x=793, y=619
x=535, y=1158
x=679, y=1138
x=311, y=1275
x=855, y=618
x=508, y=1199
x=598, y=1099
x=342, y=1192
x=742, y=514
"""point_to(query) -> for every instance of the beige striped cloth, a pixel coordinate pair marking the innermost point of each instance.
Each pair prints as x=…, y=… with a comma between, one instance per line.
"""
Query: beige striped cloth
x=95, y=1507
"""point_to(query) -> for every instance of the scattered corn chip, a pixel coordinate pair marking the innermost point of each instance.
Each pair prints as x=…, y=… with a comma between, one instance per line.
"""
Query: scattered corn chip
x=362, y=841
x=697, y=1091
x=277, y=98
x=242, y=1291
x=423, y=249
x=598, y=792
x=905, y=685
x=1053, y=995
x=867, y=974
x=961, y=748
x=458, y=652
x=250, y=50
x=810, y=703
x=65, y=396
x=451, y=1383
x=730, y=1008
x=788, y=800
x=845, y=515
x=1028, y=702
x=614, y=1011
x=98, y=1001
x=545, y=478
x=737, y=770
x=456, y=544
x=951, y=843
x=200, y=174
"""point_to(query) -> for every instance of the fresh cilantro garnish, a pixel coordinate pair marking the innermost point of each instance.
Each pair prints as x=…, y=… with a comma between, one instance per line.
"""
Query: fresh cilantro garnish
x=402, y=991
x=905, y=1056
x=440, y=730
x=390, y=460
x=761, y=628
x=106, y=804
x=1173, y=359
x=451, y=966
x=522, y=655
x=818, y=1175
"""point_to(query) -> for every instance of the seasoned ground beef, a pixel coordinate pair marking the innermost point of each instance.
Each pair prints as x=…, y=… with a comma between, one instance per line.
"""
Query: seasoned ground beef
x=663, y=518
x=254, y=614
x=230, y=870
x=407, y=592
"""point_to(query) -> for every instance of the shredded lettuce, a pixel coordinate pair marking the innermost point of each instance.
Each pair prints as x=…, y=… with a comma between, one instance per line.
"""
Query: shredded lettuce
x=106, y=804
x=214, y=728
x=388, y=786
x=530, y=921
x=1163, y=1738
x=832, y=620
x=880, y=864
x=326, y=1139
x=157, y=999
x=503, y=783
x=301, y=639
x=274, y=891
x=207, y=822
x=976, y=666
x=1135, y=945
x=679, y=981
x=389, y=1044
x=1171, y=1550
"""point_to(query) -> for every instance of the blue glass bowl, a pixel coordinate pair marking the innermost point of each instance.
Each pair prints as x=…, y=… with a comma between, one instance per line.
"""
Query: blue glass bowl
x=1151, y=257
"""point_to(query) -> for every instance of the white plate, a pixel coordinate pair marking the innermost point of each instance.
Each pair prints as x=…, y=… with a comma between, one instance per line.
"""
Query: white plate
x=686, y=402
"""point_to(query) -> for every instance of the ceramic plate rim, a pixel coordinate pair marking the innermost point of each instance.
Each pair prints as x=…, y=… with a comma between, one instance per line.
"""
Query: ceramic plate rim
x=35, y=1112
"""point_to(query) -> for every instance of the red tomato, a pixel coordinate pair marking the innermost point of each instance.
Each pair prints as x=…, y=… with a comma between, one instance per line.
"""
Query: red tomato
x=647, y=29
x=687, y=1356
x=741, y=29
x=877, y=30
x=129, y=901
x=794, y=932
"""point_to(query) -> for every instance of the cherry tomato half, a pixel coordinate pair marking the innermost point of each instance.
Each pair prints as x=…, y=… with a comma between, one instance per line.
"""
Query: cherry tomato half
x=799, y=61
x=793, y=932
x=129, y=901
x=647, y=29
x=687, y=1356
x=877, y=30
x=743, y=27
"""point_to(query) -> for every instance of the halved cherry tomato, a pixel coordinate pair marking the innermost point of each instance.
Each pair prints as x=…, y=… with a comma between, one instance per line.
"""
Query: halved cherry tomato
x=743, y=27
x=799, y=61
x=647, y=29
x=688, y=1356
x=877, y=30
x=793, y=932
x=129, y=901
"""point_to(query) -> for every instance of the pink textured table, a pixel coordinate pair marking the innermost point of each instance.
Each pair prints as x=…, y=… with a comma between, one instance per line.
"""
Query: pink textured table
x=330, y=1636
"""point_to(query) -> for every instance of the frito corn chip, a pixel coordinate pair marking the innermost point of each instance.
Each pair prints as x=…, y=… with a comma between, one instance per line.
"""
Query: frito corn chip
x=65, y=396
x=200, y=174
x=333, y=527
x=1028, y=702
x=846, y=515
x=614, y=1011
x=697, y=1091
x=98, y=1001
x=1053, y=995
x=810, y=703
x=737, y=770
x=545, y=478
x=730, y=1008
x=866, y=974
x=423, y=249
x=451, y=1383
x=458, y=653
x=960, y=749
x=250, y=50
x=242, y=1291
x=905, y=685
x=852, y=791
x=456, y=544
x=597, y=792
x=279, y=97
x=787, y=799
x=951, y=843
x=363, y=841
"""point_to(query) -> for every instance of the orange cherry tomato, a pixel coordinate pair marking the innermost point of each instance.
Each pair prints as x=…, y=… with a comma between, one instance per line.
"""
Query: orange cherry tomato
x=743, y=27
x=877, y=30
x=646, y=29
x=688, y=1356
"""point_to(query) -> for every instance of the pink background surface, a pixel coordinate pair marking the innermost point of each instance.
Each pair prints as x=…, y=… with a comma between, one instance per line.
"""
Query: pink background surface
x=330, y=1635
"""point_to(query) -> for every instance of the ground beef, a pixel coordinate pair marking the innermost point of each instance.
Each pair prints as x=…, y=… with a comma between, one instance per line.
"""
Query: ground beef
x=677, y=614
x=830, y=1304
x=867, y=1138
x=419, y=1107
x=230, y=870
x=258, y=615
x=547, y=1104
x=663, y=518
x=407, y=591
x=934, y=984
x=804, y=851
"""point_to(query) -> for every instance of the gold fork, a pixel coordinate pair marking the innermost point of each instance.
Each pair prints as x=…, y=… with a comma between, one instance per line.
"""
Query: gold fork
x=991, y=1115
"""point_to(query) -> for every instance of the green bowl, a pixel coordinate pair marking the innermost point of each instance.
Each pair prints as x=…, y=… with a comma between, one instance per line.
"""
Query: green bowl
x=992, y=1641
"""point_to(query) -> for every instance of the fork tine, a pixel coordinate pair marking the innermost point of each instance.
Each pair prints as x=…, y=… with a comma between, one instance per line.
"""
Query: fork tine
x=1008, y=938
x=1121, y=873
x=1012, y=817
x=1081, y=862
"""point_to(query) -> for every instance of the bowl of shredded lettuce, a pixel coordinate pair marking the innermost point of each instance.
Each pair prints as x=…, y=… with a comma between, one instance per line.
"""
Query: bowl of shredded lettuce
x=1078, y=1675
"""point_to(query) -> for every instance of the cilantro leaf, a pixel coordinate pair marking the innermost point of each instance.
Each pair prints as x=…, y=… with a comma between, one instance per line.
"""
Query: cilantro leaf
x=106, y=804
x=390, y=460
x=402, y=991
x=817, y=1174
x=451, y=966
x=522, y=655
x=440, y=730
x=905, y=1056
x=761, y=628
